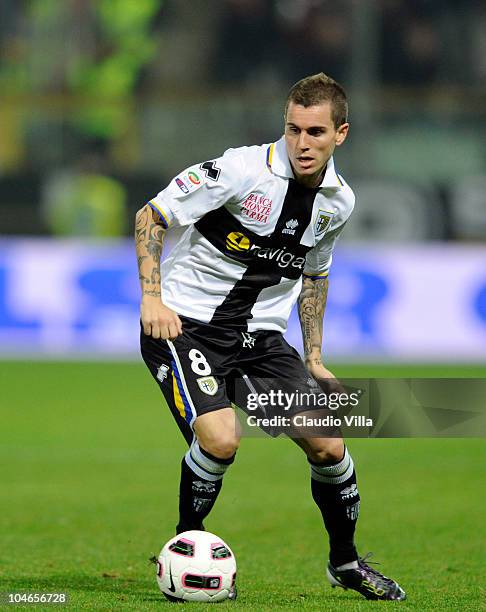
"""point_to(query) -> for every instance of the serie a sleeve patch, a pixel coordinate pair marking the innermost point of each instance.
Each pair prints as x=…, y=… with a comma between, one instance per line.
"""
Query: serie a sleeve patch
x=189, y=181
x=195, y=177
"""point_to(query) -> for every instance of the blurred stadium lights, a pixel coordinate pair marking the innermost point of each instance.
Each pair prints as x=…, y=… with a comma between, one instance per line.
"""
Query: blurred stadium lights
x=164, y=84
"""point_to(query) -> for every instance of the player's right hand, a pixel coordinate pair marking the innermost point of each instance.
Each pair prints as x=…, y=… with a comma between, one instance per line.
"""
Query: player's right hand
x=158, y=320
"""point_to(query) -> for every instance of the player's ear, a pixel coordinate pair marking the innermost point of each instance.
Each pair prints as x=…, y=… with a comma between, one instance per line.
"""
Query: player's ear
x=341, y=133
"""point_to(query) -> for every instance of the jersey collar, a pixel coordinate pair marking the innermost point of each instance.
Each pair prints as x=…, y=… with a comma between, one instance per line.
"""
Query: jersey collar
x=278, y=163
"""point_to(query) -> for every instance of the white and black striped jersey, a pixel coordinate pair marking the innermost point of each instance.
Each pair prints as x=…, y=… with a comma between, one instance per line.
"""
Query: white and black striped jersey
x=253, y=231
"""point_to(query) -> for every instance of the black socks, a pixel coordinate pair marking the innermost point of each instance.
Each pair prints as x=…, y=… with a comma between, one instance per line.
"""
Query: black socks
x=336, y=494
x=201, y=481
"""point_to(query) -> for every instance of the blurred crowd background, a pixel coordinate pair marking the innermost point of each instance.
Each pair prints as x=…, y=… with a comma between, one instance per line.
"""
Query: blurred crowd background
x=103, y=101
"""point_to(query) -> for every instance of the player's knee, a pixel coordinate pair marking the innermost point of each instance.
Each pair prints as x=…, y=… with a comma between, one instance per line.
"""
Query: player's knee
x=327, y=451
x=221, y=445
x=217, y=433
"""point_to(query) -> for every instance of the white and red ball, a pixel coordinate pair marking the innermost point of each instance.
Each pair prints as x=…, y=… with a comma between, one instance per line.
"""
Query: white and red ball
x=196, y=566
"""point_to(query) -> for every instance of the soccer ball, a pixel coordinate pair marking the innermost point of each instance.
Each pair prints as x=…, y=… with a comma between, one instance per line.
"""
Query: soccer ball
x=197, y=566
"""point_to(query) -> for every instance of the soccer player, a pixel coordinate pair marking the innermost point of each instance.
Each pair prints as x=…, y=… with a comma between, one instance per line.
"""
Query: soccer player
x=261, y=224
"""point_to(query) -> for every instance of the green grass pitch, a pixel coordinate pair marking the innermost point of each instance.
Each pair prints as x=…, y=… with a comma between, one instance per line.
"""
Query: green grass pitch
x=89, y=462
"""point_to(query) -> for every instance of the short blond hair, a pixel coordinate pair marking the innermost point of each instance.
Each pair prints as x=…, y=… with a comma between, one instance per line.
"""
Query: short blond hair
x=319, y=88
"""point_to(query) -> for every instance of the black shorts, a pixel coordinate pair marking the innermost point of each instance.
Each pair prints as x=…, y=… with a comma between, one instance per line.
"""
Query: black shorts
x=209, y=367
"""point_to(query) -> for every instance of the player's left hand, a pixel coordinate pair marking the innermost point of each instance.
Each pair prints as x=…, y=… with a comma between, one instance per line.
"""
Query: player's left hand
x=318, y=370
x=325, y=378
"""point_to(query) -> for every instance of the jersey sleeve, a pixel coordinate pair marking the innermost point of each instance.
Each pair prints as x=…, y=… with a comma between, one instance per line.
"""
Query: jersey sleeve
x=319, y=259
x=200, y=189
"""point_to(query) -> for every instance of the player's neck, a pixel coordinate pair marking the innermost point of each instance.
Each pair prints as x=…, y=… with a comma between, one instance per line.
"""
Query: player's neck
x=312, y=181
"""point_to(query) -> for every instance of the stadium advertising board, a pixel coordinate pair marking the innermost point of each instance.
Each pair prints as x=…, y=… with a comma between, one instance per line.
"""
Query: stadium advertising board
x=77, y=298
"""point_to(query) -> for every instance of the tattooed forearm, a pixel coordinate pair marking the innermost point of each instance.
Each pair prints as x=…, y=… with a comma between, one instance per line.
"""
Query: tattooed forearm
x=154, y=244
x=312, y=303
x=149, y=235
x=141, y=221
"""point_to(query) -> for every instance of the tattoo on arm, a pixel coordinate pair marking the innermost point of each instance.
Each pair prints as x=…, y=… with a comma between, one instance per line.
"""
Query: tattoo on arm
x=312, y=303
x=149, y=235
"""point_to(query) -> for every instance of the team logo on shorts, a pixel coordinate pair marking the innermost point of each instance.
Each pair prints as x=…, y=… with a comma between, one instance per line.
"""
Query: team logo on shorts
x=162, y=372
x=248, y=340
x=236, y=241
x=208, y=385
x=323, y=221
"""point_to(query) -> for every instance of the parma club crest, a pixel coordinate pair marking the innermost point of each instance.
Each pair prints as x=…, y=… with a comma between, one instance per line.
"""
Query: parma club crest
x=322, y=222
x=208, y=385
